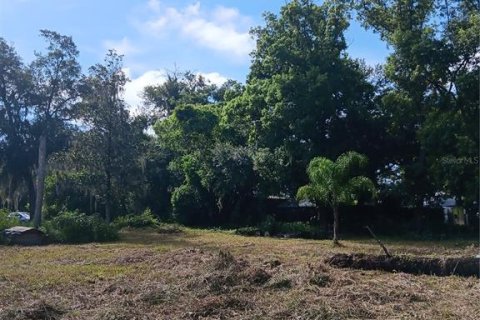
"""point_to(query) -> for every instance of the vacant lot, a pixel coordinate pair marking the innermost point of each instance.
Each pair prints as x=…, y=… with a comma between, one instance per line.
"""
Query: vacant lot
x=216, y=275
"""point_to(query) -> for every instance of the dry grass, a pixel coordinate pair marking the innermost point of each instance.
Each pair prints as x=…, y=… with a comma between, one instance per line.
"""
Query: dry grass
x=216, y=275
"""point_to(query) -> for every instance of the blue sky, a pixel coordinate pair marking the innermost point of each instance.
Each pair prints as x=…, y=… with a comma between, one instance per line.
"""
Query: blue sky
x=207, y=36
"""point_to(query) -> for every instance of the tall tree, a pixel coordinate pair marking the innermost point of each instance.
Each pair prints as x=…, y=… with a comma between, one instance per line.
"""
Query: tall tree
x=304, y=95
x=336, y=183
x=214, y=178
x=16, y=136
x=55, y=77
x=432, y=96
x=108, y=147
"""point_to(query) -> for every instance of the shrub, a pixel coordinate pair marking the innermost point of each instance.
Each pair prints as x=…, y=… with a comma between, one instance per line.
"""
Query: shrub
x=6, y=221
x=75, y=227
x=144, y=220
x=291, y=229
x=187, y=204
x=301, y=230
x=268, y=225
x=104, y=232
x=248, y=231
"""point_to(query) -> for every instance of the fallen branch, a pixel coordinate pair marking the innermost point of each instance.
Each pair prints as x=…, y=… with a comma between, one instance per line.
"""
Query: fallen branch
x=379, y=242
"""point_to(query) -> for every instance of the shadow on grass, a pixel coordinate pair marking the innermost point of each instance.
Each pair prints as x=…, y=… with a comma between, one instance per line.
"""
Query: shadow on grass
x=153, y=237
x=407, y=241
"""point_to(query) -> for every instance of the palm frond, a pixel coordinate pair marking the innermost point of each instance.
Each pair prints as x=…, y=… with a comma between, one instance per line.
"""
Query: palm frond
x=315, y=193
x=305, y=193
x=320, y=171
x=356, y=186
x=348, y=165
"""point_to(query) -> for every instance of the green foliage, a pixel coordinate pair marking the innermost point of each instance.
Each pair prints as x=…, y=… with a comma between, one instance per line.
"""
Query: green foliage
x=218, y=150
x=336, y=183
x=268, y=225
x=304, y=94
x=6, y=221
x=187, y=205
x=181, y=88
x=75, y=227
x=431, y=95
x=283, y=229
x=248, y=231
x=144, y=220
x=55, y=76
x=297, y=229
x=17, y=142
x=215, y=177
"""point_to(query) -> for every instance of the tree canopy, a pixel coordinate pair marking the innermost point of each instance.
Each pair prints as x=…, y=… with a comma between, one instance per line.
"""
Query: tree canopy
x=206, y=154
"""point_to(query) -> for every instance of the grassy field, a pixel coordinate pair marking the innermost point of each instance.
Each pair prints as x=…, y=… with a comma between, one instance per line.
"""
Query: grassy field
x=199, y=274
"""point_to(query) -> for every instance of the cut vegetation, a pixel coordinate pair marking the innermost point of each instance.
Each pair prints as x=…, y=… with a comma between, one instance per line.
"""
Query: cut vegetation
x=197, y=274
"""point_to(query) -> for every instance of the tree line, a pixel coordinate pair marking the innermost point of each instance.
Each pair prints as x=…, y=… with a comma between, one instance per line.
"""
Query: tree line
x=68, y=141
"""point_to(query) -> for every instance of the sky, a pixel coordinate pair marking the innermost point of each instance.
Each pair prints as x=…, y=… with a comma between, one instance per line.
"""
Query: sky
x=208, y=37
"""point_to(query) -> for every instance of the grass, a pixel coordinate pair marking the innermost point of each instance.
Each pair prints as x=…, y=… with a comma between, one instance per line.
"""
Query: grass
x=200, y=274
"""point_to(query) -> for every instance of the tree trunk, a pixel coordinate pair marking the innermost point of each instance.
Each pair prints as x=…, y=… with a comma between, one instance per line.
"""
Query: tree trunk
x=108, y=174
x=335, y=224
x=10, y=194
x=31, y=195
x=41, y=171
x=108, y=210
x=90, y=202
x=108, y=198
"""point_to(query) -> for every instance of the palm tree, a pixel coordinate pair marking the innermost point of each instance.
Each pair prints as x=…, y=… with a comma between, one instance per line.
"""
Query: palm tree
x=336, y=183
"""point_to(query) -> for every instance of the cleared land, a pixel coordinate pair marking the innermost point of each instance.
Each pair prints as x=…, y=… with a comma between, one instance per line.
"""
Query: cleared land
x=200, y=274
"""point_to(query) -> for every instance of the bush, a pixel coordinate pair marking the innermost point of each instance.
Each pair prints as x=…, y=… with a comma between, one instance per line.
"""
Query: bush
x=75, y=227
x=144, y=220
x=268, y=225
x=6, y=221
x=290, y=229
x=187, y=205
x=248, y=231
x=301, y=230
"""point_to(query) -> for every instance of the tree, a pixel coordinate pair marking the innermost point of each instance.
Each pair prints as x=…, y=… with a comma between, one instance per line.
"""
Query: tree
x=431, y=100
x=179, y=88
x=305, y=96
x=108, y=148
x=214, y=179
x=16, y=132
x=188, y=135
x=55, y=77
x=336, y=183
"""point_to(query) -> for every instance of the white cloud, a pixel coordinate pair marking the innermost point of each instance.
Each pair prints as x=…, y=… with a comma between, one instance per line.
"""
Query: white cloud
x=154, y=5
x=224, y=29
x=214, y=77
x=134, y=88
x=123, y=46
x=223, y=14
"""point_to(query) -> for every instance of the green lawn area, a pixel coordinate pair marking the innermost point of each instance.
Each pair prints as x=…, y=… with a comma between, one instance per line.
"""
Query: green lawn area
x=199, y=274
